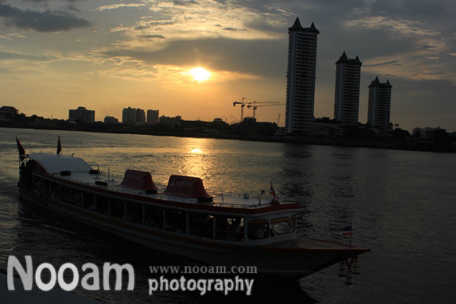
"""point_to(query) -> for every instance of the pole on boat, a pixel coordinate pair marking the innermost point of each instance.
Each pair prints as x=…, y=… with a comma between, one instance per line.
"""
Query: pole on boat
x=260, y=196
x=21, y=152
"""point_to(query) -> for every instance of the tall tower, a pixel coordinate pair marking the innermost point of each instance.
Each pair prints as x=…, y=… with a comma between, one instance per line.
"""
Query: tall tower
x=379, y=105
x=346, y=101
x=302, y=63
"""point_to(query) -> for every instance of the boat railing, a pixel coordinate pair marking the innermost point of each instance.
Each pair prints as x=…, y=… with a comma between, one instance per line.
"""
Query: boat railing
x=164, y=185
x=262, y=200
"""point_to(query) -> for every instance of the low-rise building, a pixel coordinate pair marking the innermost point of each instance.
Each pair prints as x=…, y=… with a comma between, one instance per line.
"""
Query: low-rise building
x=81, y=113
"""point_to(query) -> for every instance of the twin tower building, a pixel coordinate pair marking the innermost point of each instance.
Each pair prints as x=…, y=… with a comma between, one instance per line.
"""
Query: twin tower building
x=302, y=63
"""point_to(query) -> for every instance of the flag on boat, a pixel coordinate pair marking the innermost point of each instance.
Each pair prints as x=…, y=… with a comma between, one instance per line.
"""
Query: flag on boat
x=273, y=192
x=20, y=149
x=59, y=146
x=348, y=230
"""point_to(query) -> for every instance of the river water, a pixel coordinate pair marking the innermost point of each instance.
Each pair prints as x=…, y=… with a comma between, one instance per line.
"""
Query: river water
x=402, y=205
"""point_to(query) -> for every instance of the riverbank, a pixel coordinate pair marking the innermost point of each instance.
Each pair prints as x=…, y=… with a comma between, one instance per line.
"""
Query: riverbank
x=388, y=142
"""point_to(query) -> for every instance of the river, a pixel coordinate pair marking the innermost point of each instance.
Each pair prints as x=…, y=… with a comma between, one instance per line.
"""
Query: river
x=401, y=205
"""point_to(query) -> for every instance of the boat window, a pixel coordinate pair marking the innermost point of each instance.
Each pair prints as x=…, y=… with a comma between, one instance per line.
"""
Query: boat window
x=45, y=188
x=175, y=221
x=102, y=205
x=201, y=224
x=229, y=228
x=64, y=194
x=76, y=197
x=54, y=191
x=133, y=213
x=89, y=201
x=258, y=229
x=221, y=227
x=235, y=229
x=117, y=208
x=282, y=225
x=153, y=217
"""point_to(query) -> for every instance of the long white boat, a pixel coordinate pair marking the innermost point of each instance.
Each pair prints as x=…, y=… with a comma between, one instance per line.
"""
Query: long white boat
x=183, y=220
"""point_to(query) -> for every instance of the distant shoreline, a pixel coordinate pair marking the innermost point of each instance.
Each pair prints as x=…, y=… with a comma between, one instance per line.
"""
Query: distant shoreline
x=375, y=144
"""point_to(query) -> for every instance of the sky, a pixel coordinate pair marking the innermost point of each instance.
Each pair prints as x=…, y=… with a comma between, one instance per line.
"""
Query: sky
x=107, y=55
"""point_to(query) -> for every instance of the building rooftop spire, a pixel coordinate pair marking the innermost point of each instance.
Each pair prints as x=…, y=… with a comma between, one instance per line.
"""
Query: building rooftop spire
x=377, y=83
x=297, y=23
x=344, y=59
x=298, y=27
x=312, y=27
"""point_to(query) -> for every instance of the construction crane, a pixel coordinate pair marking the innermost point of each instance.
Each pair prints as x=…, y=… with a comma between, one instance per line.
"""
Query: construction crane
x=242, y=107
x=264, y=105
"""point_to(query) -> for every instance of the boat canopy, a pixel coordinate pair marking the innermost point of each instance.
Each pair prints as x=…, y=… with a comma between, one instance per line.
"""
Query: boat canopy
x=138, y=180
x=56, y=163
x=186, y=186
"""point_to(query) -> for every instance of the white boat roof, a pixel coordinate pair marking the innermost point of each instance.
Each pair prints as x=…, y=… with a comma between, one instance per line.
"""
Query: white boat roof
x=55, y=163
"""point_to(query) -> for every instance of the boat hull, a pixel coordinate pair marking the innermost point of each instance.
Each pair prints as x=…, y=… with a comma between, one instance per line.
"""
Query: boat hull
x=289, y=259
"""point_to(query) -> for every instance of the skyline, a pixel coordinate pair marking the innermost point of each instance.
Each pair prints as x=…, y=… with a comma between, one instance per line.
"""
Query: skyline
x=108, y=55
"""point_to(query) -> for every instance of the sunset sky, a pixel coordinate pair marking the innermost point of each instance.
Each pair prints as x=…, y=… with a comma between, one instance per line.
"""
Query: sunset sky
x=107, y=55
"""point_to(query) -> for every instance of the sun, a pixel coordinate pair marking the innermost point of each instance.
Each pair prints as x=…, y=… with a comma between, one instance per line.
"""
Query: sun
x=200, y=74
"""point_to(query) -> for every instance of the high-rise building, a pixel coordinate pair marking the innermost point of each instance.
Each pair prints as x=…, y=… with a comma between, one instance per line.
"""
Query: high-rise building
x=152, y=117
x=133, y=116
x=129, y=116
x=81, y=113
x=140, y=117
x=302, y=63
x=346, y=101
x=379, y=105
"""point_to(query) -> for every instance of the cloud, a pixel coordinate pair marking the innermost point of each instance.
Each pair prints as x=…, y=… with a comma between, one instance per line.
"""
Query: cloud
x=152, y=36
x=188, y=2
x=22, y=56
x=189, y=20
x=414, y=66
x=46, y=21
x=119, y=5
x=233, y=29
x=395, y=62
x=12, y=35
x=406, y=27
x=216, y=54
x=428, y=47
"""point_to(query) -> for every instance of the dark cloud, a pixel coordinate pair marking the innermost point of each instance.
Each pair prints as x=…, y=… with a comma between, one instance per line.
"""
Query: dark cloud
x=427, y=47
x=142, y=27
x=423, y=8
x=188, y=2
x=233, y=29
x=152, y=36
x=47, y=21
x=257, y=57
x=263, y=25
x=392, y=62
